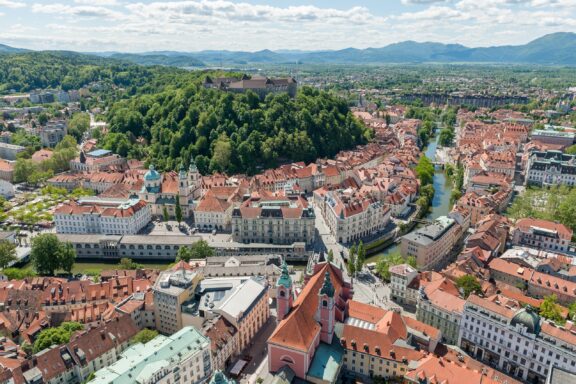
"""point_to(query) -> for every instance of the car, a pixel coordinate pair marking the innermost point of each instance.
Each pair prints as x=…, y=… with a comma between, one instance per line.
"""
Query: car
x=213, y=232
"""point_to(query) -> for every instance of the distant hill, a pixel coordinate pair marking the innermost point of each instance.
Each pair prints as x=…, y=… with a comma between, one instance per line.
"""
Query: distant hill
x=172, y=60
x=7, y=49
x=553, y=49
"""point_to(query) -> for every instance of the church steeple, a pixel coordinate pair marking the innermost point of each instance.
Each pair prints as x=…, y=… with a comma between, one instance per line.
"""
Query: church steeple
x=327, y=288
x=284, y=295
x=325, y=314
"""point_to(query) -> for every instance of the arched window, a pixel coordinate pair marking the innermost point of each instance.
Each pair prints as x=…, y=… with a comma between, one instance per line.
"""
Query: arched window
x=324, y=303
x=287, y=359
x=282, y=294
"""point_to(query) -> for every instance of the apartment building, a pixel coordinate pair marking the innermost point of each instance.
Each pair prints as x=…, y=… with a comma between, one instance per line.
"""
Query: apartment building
x=440, y=306
x=552, y=136
x=400, y=278
x=499, y=331
x=172, y=288
x=542, y=234
x=242, y=301
x=7, y=170
x=52, y=133
x=546, y=168
x=183, y=357
x=432, y=243
x=352, y=216
x=109, y=217
x=9, y=151
x=274, y=218
x=96, y=161
x=224, y=339
x=87, y=352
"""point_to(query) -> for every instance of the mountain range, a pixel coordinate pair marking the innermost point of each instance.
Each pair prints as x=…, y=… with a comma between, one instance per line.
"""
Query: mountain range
x=553, y=49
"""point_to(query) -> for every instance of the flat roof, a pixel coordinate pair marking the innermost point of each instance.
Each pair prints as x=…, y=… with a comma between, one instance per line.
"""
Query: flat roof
x=327, y=361
x=99, y=153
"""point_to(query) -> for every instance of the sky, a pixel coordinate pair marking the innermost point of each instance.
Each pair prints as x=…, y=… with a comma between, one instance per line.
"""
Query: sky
x=252, y=25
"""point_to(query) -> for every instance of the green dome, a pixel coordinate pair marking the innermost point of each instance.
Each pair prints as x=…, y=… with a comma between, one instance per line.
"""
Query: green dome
x=327, y=289
x=528, y=318
x=152, y=174
x=285, y=280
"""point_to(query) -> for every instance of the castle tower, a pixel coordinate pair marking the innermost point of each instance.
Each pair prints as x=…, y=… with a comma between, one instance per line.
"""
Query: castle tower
x=326, y=311
x=284, y=295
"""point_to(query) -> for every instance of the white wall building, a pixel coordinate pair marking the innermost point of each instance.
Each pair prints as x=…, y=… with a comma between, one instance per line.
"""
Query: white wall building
x=352, y=217
x=109, y=217
x=516, y=340
x=183, y=357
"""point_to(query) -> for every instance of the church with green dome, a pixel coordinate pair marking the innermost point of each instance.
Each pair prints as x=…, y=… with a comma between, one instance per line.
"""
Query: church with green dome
x=163, y=190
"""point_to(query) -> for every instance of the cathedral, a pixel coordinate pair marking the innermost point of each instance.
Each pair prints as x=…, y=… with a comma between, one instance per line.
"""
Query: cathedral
x=163, y=190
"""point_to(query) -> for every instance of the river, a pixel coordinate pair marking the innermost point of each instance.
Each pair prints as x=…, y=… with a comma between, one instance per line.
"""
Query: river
x=440, y=203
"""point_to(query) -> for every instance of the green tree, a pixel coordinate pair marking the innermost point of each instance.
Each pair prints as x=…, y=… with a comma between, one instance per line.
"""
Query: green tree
x=23, y=169
x=572, y=311
x=7, y=253
x=27, y=348
x=330, y=257
x=78, y=124
x=144, y=336
x=198, y=250
x=165, y=213
x=43, y=118
x=549, y=309
x=361, y=257
x=18, y=273
x=385, y=262
x=48, y=254
x=425, y=170
x=56, y=336
x=66, y=257
x=178, y=210
x=446, y=137
x=571, y=150
x=127, y=263
x=44, y=253
x=222, y=155
x=469, y=284
x=351, y=264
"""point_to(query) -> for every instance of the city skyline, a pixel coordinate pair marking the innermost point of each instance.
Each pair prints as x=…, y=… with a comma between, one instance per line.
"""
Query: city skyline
x=252, y=25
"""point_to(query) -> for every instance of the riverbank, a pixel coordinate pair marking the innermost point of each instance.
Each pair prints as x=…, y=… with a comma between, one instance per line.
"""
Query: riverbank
x=440, y=206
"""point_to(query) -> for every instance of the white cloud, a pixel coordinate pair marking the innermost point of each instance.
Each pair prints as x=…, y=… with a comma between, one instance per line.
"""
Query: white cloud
x=419, y=2
x=434, y=13
x=81, y=10
x=97, y=2
x=12, y=4
x=220, y=10
x=188, y=25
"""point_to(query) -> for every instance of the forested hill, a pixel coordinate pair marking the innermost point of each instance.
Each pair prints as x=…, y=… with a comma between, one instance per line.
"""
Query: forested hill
x=23, y=72
x=232, y=133
x=165, y=115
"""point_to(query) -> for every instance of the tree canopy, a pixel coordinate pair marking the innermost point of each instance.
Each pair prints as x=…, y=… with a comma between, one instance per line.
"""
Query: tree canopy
x=7, y=253
x=56, y=335
x=469, y=284
x=199, y=250
x=49, y=254
x=549, y=309
x=385, y=262
x=226, y=132
x=144, y=336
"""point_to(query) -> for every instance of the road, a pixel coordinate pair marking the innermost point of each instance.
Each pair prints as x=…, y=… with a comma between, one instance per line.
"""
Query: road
x=325, y=241
x=258, y=351
x=369, y=289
